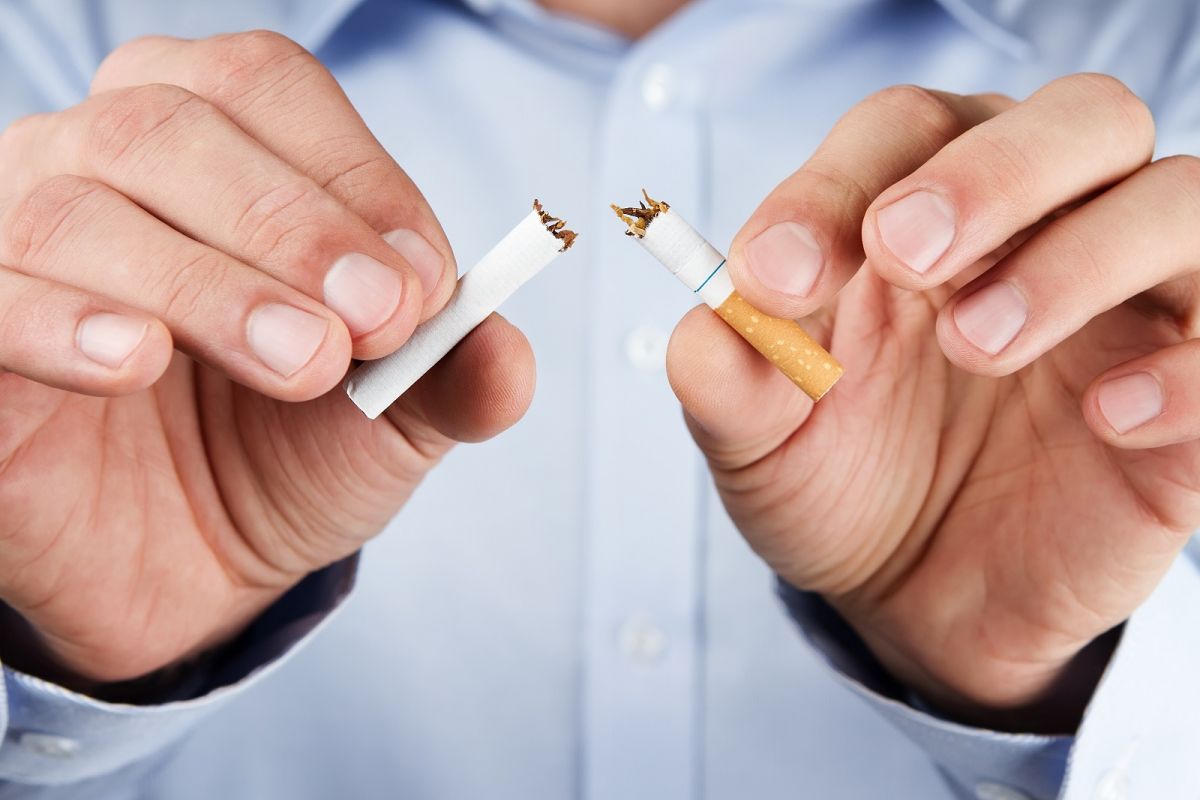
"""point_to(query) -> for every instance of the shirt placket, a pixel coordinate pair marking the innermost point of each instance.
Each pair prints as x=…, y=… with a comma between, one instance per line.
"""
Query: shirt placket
x=642, y=618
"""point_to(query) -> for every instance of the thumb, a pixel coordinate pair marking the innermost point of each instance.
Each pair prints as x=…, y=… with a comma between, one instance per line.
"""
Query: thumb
x=739, y=407
x=314, y=481
x=769, y=450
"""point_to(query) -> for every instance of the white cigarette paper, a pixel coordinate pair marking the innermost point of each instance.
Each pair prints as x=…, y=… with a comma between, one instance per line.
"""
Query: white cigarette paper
x=536, y=241
x=701, y=267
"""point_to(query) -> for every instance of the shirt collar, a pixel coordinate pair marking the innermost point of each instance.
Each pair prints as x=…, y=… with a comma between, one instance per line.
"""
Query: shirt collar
x=996, y=22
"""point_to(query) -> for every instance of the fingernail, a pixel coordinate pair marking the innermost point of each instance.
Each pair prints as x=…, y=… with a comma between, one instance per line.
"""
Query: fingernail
x=284, y=337
x=917, y=229
x=785, y=258
x=425, y=260
x=992, y=317
x=1130, y=401
x=109, y=339
x=362, y=291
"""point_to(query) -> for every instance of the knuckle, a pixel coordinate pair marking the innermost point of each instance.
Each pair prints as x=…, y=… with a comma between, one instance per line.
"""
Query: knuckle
x=367, y=176
x=184, y=290
x=1005, y=167
x=1184, y=170
x=258, y=47
x=1073, y=252
x=832, y=187
x=1112, y=93
x=48, y=213
x=270, y=219
x=921, y=107
x=1185, y=167
x=129, y=121
x=122, y=60
x=241, y=64
x=996, y=98
x=16, y=139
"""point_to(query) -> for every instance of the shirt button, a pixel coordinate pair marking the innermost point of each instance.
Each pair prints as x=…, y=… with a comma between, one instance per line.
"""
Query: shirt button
x=646, y=348
x=986, y=790
x=658, y=86
x=49, y=745
x=640, y=640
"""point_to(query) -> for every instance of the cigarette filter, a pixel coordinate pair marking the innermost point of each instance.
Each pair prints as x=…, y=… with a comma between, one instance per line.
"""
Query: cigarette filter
x=683, y=251
x=522, y=253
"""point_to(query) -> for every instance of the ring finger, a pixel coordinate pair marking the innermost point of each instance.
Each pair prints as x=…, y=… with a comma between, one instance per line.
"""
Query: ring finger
x=1134, y=237
x=262, y=333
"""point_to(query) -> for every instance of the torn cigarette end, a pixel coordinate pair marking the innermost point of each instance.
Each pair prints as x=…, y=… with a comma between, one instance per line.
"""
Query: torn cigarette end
x=701, y=268
x=556, y=227
x=638, y=219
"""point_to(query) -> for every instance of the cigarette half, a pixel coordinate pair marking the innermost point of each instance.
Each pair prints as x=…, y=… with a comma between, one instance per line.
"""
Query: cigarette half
x=689, y=257
x=537, y=240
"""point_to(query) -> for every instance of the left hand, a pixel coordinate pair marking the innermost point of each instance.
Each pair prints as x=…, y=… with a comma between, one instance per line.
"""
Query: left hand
x=1012, y=460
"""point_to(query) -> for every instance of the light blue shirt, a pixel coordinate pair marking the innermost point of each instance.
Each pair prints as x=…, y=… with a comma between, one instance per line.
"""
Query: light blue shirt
x=566, y=611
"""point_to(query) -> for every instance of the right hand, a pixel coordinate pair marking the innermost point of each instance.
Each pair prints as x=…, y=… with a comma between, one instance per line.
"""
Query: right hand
x=205, y=197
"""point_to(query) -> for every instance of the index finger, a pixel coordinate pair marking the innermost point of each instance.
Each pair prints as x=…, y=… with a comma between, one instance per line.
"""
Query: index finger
x=804, y=242
x=284, y=98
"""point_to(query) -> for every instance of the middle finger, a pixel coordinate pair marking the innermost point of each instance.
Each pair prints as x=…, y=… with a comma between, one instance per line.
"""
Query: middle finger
x=1074, y=136
x=180, y=158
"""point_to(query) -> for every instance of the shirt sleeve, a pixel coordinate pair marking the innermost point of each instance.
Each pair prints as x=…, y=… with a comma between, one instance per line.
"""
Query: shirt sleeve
x=1133, y=741
x=54, y=737
x=1138, y=737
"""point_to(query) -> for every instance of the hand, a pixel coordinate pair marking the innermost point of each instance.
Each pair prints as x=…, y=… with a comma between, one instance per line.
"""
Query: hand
x=1010, y=463
x=221, y=197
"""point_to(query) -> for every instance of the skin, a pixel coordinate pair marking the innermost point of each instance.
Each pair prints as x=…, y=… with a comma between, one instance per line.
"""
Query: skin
x=632, y=18
x=202, y=485
x=974, y=516
x=926, y=497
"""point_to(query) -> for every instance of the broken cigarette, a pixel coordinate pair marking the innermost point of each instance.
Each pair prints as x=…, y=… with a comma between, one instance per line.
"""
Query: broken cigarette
x=689, y=257
x=536, y=241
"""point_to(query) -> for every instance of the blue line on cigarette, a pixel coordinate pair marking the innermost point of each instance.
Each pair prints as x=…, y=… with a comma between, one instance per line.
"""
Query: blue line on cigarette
x=710, y=275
